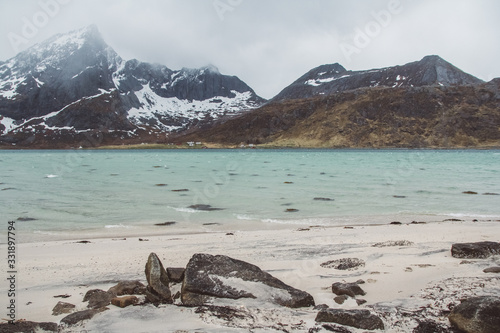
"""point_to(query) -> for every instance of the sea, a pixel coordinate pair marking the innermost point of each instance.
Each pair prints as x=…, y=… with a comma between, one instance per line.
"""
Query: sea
x=73, y=194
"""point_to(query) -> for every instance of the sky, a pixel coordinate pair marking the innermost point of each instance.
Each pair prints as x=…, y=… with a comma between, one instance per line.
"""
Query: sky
x=270, y=43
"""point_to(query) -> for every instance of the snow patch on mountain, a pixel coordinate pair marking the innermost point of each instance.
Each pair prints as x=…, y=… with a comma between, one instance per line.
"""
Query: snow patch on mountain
x=154, y=108
x=318, y=82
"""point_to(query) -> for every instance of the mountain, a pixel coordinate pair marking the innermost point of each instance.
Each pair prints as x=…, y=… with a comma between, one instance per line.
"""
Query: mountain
x=424, y=104
x=74, y=86
x=330, y=79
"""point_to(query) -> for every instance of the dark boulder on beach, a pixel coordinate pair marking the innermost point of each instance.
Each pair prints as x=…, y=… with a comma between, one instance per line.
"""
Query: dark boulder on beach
x=28, y=326
x=209, y=277
x=480, y=250
x=98, y=298
x=429, y=326
x=492, y=270
x=477, y=315
x=158, y=290
x=133, y=287
x=62, y=308
x=79, y=316
x=348, y=289
x=362, y=319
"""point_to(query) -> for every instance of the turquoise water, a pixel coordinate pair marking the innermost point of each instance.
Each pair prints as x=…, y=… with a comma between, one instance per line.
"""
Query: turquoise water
x=63, y=193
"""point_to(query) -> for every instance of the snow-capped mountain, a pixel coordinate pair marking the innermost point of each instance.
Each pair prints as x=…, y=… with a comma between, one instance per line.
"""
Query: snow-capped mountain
x=331, y=79
x=75, y=83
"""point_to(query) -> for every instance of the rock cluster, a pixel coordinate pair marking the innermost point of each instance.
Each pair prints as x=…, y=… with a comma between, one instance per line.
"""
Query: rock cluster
x=478, y=250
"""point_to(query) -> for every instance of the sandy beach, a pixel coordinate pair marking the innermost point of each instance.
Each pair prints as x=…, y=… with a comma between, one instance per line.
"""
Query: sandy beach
x=395, y=276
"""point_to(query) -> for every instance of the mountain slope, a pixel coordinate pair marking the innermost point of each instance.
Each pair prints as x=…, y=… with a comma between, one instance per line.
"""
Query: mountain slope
x=330, y=79
x=75, y=83
x=458, y=114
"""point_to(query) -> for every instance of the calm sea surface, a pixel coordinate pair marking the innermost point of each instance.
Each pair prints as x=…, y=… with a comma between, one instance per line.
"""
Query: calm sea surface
x=64, y=194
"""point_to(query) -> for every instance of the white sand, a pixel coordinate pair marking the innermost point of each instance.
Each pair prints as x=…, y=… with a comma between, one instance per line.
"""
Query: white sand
x=393, y=274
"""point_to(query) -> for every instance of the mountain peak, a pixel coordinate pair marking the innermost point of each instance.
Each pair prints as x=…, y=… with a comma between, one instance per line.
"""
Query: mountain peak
x=211, y=69
x=432, y=70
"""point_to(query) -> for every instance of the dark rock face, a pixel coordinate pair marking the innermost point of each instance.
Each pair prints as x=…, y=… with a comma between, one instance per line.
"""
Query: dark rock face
x=62, y=307
x=477, y=315
x=28, y=326
x=77, y=81
x=362, y=319
x=79, y=316
x=209, y=276
x=478, y=250
x=349, y=289
x=158, y=283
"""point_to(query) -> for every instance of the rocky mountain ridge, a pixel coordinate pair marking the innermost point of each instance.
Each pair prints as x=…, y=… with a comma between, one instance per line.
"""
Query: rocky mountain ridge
x=74, y=90
x=331, y=79
x=75, y=84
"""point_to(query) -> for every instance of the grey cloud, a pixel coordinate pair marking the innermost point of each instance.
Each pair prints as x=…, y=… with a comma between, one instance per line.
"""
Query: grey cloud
x=269, y=43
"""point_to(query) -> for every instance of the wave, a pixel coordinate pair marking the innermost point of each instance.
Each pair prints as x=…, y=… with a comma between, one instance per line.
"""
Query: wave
x=321, y=222
x=244, y=217
x=472, y=215
x=116, y=226
x=51, y=176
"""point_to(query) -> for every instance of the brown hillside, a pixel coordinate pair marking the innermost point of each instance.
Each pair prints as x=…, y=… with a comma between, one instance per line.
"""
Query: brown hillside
x=462, y=116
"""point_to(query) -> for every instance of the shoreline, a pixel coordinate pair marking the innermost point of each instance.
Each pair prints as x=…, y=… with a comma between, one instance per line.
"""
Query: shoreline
x=219, y=146
x=48, y=269
x=182, y=228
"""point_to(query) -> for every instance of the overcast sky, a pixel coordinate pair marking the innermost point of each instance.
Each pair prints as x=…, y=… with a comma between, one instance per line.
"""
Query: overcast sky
x=270, y=43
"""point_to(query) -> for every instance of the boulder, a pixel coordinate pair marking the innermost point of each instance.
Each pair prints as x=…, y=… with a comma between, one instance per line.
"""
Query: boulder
x=429, y=326
x=334, y=328
x=124, y=301
x=208, y=277
x=61, y=308
x=157, y=281
x=348, y=289
x=128, y=288
x=344, y=264
x=28, y=326
x=98, y=298
x=478, y=250
x=79, y=316
x=492, y=270
x=175, y=275
x=477, y=315
x=341, y=299
x=362, y=319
